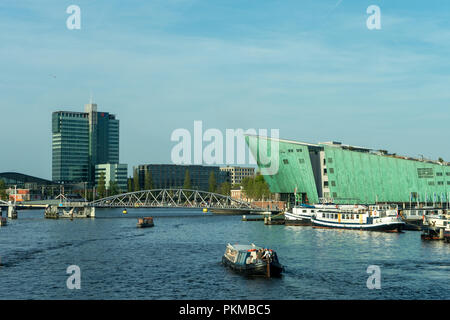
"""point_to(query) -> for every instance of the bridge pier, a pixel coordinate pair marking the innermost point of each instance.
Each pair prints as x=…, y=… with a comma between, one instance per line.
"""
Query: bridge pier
x=12, y=212
x=89, y=212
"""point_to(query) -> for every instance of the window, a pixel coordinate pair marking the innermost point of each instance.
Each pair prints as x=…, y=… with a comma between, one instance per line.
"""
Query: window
x=285, y=161
x=325, y=184
x=290, y=150
x=431, y=183
x=440, y=183
x=334, y=195
x=439, y=174
x=331, y=170
x=333, y=183
x=330, y=160
x=447, y=173
x=301, y=161
x=299, y=150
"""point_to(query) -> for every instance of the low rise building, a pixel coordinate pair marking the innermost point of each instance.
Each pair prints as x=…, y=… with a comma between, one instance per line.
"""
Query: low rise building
x=238, y=173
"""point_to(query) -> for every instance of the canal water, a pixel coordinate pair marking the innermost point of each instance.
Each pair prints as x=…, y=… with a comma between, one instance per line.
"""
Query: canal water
x=180, y=258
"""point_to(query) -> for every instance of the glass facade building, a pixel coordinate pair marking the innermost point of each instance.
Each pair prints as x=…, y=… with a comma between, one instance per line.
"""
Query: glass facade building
x=113, y=172
x=172, y=175
x=81, y=140
x=347, y=174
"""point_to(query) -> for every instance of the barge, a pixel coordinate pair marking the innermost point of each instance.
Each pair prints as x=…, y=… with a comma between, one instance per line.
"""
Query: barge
x=252, y=260
x=145, y=222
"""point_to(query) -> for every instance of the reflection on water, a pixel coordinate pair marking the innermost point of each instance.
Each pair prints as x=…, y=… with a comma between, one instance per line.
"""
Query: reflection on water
x=180, y=259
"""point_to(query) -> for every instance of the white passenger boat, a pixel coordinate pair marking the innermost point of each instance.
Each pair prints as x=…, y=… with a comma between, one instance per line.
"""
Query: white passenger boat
x=371, y=218
x=301, y=215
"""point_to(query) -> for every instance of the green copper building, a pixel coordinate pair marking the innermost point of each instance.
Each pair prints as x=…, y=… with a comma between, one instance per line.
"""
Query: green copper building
x=82, y=140
x=349, y=175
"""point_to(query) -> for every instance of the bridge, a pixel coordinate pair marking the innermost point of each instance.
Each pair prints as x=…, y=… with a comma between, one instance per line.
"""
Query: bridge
x=173, y=198
x=156, y=198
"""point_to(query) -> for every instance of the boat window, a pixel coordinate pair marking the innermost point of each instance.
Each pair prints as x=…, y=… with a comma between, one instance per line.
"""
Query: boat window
x=304, y=211
x=312, y=211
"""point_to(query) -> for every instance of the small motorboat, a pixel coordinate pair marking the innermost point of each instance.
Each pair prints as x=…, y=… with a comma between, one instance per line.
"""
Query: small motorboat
x=145, y=222
x=252, y=260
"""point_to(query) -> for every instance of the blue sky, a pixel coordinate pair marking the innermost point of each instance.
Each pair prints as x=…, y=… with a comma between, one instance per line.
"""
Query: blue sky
x=311, y=69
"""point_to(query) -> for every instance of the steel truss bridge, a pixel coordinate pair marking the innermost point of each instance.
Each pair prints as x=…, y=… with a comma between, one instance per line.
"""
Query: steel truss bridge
x=173, y=198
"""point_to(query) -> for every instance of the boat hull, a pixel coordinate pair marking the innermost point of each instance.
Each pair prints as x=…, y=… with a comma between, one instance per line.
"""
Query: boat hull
x=146, y=225
x=296, y=220
x=386, y=227
x=258, y=269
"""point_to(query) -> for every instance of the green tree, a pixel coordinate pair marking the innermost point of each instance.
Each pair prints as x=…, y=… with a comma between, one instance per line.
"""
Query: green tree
x=101, y=188
x=148, y=180
x=256, y=187
x=130, y=184
x=187, y=180
x=212, y=182
x=225, y=188
x=137, y=186
x=113, y=188
x=3, y=195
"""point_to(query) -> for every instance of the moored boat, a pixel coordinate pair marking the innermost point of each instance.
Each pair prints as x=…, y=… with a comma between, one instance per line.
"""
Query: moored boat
x=252, y=260
x=372, y=218
x=434, y=226
x=145, y=222
x=3, y=222
x=299, y=215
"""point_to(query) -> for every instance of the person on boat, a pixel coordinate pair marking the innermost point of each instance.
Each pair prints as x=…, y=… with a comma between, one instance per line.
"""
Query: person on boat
x=266, y=255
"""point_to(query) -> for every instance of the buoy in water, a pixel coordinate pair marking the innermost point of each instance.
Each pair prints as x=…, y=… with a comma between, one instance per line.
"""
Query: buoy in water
x=124, y=211
x=205, y=210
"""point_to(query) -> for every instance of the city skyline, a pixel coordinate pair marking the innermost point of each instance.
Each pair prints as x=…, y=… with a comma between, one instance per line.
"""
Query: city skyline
x=312, y=70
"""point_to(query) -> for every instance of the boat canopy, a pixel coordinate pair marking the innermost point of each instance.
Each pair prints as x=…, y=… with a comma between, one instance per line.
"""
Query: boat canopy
x=244, y=247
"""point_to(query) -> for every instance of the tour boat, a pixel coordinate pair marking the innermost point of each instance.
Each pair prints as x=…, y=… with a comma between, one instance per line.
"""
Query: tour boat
x=252, y=260
x=301, y=214
x=371, y=218
x=145, y=222
x=3, y=221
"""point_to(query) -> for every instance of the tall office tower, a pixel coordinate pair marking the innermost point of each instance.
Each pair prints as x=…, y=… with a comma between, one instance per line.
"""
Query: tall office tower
x=82, y=140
